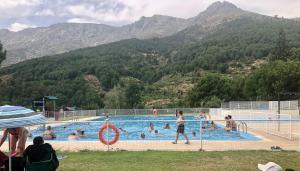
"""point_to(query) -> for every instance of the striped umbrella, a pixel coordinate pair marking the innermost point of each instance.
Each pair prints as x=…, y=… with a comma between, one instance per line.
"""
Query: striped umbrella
x=17, y=116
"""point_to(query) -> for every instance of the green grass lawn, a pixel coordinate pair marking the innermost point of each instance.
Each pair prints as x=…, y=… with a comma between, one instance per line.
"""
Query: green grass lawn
x=165, y=160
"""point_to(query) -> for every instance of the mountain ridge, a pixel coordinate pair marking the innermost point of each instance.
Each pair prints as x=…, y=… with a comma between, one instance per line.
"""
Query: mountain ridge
x=63, y=37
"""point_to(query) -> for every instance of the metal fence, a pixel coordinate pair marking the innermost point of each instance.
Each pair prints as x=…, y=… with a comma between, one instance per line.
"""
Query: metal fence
x=137, y=134
x=74, y=115
x=268, y=121
x=170, y=111
x=256, y=119
x=261, y=105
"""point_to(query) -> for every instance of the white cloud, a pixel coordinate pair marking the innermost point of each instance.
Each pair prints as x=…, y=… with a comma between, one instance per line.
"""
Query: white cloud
x=91, y=13
x=80, y=20
x=46, y=12
x=19, y=26
x=15, y=3
x=285, y=8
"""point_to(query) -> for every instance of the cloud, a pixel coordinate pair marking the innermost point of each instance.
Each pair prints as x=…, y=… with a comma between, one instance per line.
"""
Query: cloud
x=119, y=12
x=46, y=12
x=80, y=20
x=286, y=8
x=15, y=3
x=15, y=27
x=107, y=11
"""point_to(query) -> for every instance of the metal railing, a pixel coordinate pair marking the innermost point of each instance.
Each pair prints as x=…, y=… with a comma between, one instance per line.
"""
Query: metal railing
x=200, y=132
x=286, y=129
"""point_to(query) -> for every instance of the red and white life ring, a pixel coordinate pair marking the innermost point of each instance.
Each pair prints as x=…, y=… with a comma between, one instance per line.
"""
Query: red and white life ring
x=116, y=131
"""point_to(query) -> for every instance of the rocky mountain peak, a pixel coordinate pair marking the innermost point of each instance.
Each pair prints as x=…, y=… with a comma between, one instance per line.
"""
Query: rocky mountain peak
x=217, y=6
x=222, y=8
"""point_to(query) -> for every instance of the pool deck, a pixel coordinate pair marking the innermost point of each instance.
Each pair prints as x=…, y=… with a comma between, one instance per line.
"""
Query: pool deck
x=265, y=143
x=142, y=145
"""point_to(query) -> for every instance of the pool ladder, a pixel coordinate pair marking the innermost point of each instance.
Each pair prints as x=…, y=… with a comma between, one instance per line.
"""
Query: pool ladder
x=242, y=125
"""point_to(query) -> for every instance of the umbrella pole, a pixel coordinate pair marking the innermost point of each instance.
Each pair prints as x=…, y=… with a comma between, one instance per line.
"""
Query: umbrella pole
x=9, y=153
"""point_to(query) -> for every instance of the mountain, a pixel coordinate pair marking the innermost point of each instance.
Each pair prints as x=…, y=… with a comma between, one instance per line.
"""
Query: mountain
x=162, y=71
x=59, y=38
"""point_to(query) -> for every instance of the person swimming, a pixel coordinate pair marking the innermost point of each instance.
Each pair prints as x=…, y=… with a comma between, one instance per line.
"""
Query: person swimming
x=167, y=126
x=142, y=135
x=123, y=130
x=151, y=127
x=202, y=115
x=72, y=136
x=213, y=125
x=80, y=133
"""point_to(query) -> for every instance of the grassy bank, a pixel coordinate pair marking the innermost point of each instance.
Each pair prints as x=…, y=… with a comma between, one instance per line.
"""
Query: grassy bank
x=160, y=160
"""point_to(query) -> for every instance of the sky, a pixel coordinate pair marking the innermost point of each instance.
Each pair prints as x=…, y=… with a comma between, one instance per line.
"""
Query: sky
x=17, y=15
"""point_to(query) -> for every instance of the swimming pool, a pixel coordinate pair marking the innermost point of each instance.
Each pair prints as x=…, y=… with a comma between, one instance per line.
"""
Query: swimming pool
x=131, y=128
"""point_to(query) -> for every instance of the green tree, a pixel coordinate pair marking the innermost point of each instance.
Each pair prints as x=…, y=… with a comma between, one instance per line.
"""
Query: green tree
x=2, y=53
x=281, y=50
x=272, y=78
x=211, y=89
x=133, y=94
x=115, y=98
x=295, y=53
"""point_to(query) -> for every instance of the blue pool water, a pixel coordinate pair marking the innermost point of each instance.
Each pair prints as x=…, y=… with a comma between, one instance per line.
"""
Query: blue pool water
x=131, y=127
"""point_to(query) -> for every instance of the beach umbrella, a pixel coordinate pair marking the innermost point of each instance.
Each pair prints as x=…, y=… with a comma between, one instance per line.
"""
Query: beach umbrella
x=17, y=116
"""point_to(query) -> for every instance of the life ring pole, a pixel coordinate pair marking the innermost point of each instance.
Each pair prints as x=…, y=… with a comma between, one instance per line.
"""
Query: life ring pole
x=107, y=120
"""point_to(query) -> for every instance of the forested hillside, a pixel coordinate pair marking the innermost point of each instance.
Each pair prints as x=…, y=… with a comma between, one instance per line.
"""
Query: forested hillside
x=238, y=61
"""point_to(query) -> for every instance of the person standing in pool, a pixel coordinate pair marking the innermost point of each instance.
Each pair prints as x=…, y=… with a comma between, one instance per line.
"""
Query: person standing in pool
x=49, y=133
x=180, y=128
x=151, y=127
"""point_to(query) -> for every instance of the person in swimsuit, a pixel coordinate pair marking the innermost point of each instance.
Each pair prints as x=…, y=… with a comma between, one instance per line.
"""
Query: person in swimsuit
x=49, y=133
x=176, y=113
x=17, y=136
x=72, y=136
x=155, y=112
x=151, y=127
x=232, y=123
x=227, y=124
x=180, y=128
x=167, y=126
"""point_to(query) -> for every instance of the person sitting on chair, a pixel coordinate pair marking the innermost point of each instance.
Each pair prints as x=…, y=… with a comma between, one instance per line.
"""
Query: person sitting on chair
x=40, y=152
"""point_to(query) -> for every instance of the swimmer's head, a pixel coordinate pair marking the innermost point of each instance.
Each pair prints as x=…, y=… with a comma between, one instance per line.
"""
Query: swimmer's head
x=143, y=135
